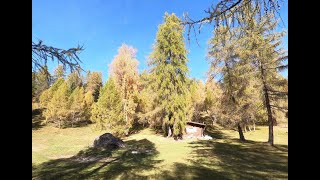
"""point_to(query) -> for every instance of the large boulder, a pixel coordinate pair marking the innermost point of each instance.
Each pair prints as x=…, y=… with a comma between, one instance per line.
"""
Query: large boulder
x=107, y=140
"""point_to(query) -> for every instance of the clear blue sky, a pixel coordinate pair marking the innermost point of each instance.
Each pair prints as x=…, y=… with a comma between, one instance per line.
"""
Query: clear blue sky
x=102, y=26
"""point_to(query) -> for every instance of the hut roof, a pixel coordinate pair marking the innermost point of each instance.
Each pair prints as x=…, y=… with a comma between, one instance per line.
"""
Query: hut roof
x=196, y=124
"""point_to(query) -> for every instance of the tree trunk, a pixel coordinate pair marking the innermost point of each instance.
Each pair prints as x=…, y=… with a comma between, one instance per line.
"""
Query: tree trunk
x=266, y=96
x=169, y=131
x=72, y=120
x=254, y=125
x=240, y=133
x=245, y=128
x=212, y=118
x=270, y=120
x=126, y=116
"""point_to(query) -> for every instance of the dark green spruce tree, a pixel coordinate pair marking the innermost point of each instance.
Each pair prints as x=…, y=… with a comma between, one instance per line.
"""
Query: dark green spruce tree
x=169, y=70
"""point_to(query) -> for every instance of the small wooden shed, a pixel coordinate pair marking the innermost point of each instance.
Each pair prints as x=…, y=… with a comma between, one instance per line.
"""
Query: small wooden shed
x=195, y=129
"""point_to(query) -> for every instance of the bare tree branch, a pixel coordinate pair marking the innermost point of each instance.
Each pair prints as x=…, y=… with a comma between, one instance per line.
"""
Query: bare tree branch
x=234, y=9
x=277, y=92
x=68, y=58
x=279, y=108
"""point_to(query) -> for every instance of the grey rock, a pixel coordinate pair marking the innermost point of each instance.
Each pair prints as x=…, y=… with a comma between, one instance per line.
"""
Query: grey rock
x=107, y=140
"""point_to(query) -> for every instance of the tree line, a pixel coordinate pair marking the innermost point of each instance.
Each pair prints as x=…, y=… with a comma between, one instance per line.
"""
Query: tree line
x=244, y=85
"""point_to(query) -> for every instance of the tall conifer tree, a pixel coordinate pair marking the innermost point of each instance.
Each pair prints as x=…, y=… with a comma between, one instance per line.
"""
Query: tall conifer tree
x=261, y=48
x=169, y=72
x=124, y=71
x=107, y=111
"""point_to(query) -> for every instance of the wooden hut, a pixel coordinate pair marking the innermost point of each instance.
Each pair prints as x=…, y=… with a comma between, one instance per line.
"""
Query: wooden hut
x=194, y=129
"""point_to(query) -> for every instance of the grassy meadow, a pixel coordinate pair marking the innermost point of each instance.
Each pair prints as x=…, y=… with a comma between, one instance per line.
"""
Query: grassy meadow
x=67, y=154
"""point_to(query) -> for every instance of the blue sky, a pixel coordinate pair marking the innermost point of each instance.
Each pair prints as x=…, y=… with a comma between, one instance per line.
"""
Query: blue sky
x=103, y=25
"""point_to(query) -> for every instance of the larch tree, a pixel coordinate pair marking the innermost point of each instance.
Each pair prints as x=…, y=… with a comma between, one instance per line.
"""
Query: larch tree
x=57, y=110
x=197, y=95
x=168, y=62
x=59, y=72
x=74, y=80
x=77, y=105
x=107, y=111
x=212, y=102
x=40, y=82
x=124, y=71
x=146, y=96
x=225, y=61
x=252, y=98
x=261, y=47
x=47, y=95
x=89, y=101
x=93, y=84
x=280, y=100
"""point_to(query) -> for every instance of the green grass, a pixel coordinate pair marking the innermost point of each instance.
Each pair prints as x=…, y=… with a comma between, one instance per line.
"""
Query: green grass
x=62, y=154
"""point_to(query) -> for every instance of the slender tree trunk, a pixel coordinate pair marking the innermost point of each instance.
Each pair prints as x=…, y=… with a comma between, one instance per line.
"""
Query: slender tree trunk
x=72, y=120
x=267, y=101
x=254, y=125
x=240, y=133
x=127, y=130
x=202, y=131
x=169, y=131
x=126, y=118
x=214, y=119
x=270, y=119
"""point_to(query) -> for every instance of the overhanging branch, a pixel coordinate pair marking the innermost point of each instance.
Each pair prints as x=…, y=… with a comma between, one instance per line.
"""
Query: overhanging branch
x=226, y=9
x=279, y=108
x=68, y=58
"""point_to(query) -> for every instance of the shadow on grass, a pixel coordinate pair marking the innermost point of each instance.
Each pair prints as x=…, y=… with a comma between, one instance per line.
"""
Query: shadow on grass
x=194, y=171
x=102, y=163
x=242, y=161
x=219, y=158
x=214, y=132
x=226, y=158
x=283, y=148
